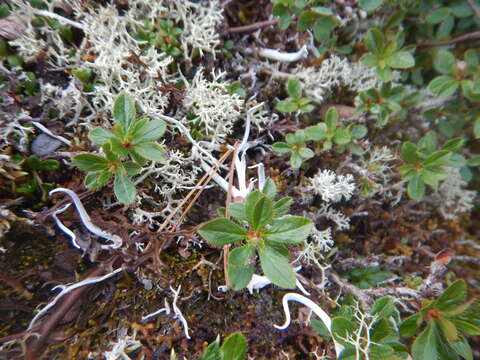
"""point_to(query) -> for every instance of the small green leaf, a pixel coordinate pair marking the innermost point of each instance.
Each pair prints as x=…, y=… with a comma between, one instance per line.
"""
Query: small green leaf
x=49, y=165
x=124, y=189
x=295, y=160
x=90, y=162
x=306, y=153
x=316, y=132
x=276, y=267
x=118, y=148
x=286, y=106
x=270, y=189
x=476, y=128
x=444, y=62
x=151, y=131
x=462, y=348
x=281, y=147
x=449, y=330
x=455, y=294
x=385, y=74
x=429, y=345
x=331, y=119
x=221, y=231
x=150, y=151
x=370, y=5
x=453, y=144
x=437, y=159
x=282, y=206
x=98, y=136
x=375, y=41
x=260, y=214
x=358, y=131
x=234, y=347
x=240, y=266
x=342, y=136
x=342, y=328
x=212, y=352
x=410, y=325
x=416, y=188
x=401, y=60
x=383, y=307
x=437, y=15
x=443, y=86
x=369, y=59
x=132, y=168
x=320, y=327
x=238, y=211
x=474, y=161
x=124, y=111
x=289, y=230
x=97, y=179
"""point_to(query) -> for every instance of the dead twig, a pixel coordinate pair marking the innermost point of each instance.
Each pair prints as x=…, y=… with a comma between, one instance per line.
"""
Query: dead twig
x=251, y=27
x=467, y=37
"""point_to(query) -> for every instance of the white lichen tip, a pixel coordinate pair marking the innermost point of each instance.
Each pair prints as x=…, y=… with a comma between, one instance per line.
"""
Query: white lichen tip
x=65, y=229
x=166, y=310
x=87, y=222
x=178, y=313
x=312, y=306
x=284, y=56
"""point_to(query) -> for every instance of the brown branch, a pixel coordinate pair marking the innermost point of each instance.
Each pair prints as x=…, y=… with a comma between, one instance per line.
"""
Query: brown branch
x=467, y=37
x=474, y=7
x=251, y=27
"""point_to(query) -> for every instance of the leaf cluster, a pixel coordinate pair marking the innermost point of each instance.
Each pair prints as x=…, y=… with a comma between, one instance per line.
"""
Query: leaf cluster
x=126, y=147
x=261, y=225
x=387, y=54
x=456, y=74
x=319, y=19
x=448, y=319
x=163, y=35
x=295, y=102
x=425, y=163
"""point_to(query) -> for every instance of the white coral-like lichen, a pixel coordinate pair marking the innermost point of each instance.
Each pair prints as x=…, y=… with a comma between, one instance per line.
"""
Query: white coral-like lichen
x=331, y=187
x=200, y=21
x=340, y=219
x=214, y=108
x=453, y=197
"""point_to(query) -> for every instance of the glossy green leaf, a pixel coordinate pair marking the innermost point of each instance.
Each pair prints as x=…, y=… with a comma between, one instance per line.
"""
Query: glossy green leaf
x=276, y=267
x=281, y=147
x=430, y=345
x=401, y=60
x=260, y=214
x=438, y=15
x=98, y=135
x=462, y=348
x=416, y=188
x=375, y=41
x=282, y=206
x=358, y=131
x=286, y=106
x=455, y=294
x=410, y=325
x=316, y=132
x=132, y=168
x=331, y=119
x=238, y=211
x=234, y=347
x=241, y=266
x=151, y=131
x=124, y=111
x=370, y=5
x=270, y=189
x=444, y=62
x=150, y=151
x=221, y=231
x=438, y=158
x=289, y=230
x=90, y=162
x=124, y=189
x=443, y=86
x=97, y=179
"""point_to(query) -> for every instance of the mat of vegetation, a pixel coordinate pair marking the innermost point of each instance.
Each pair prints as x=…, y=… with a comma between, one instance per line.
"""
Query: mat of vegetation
x=239, y=179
